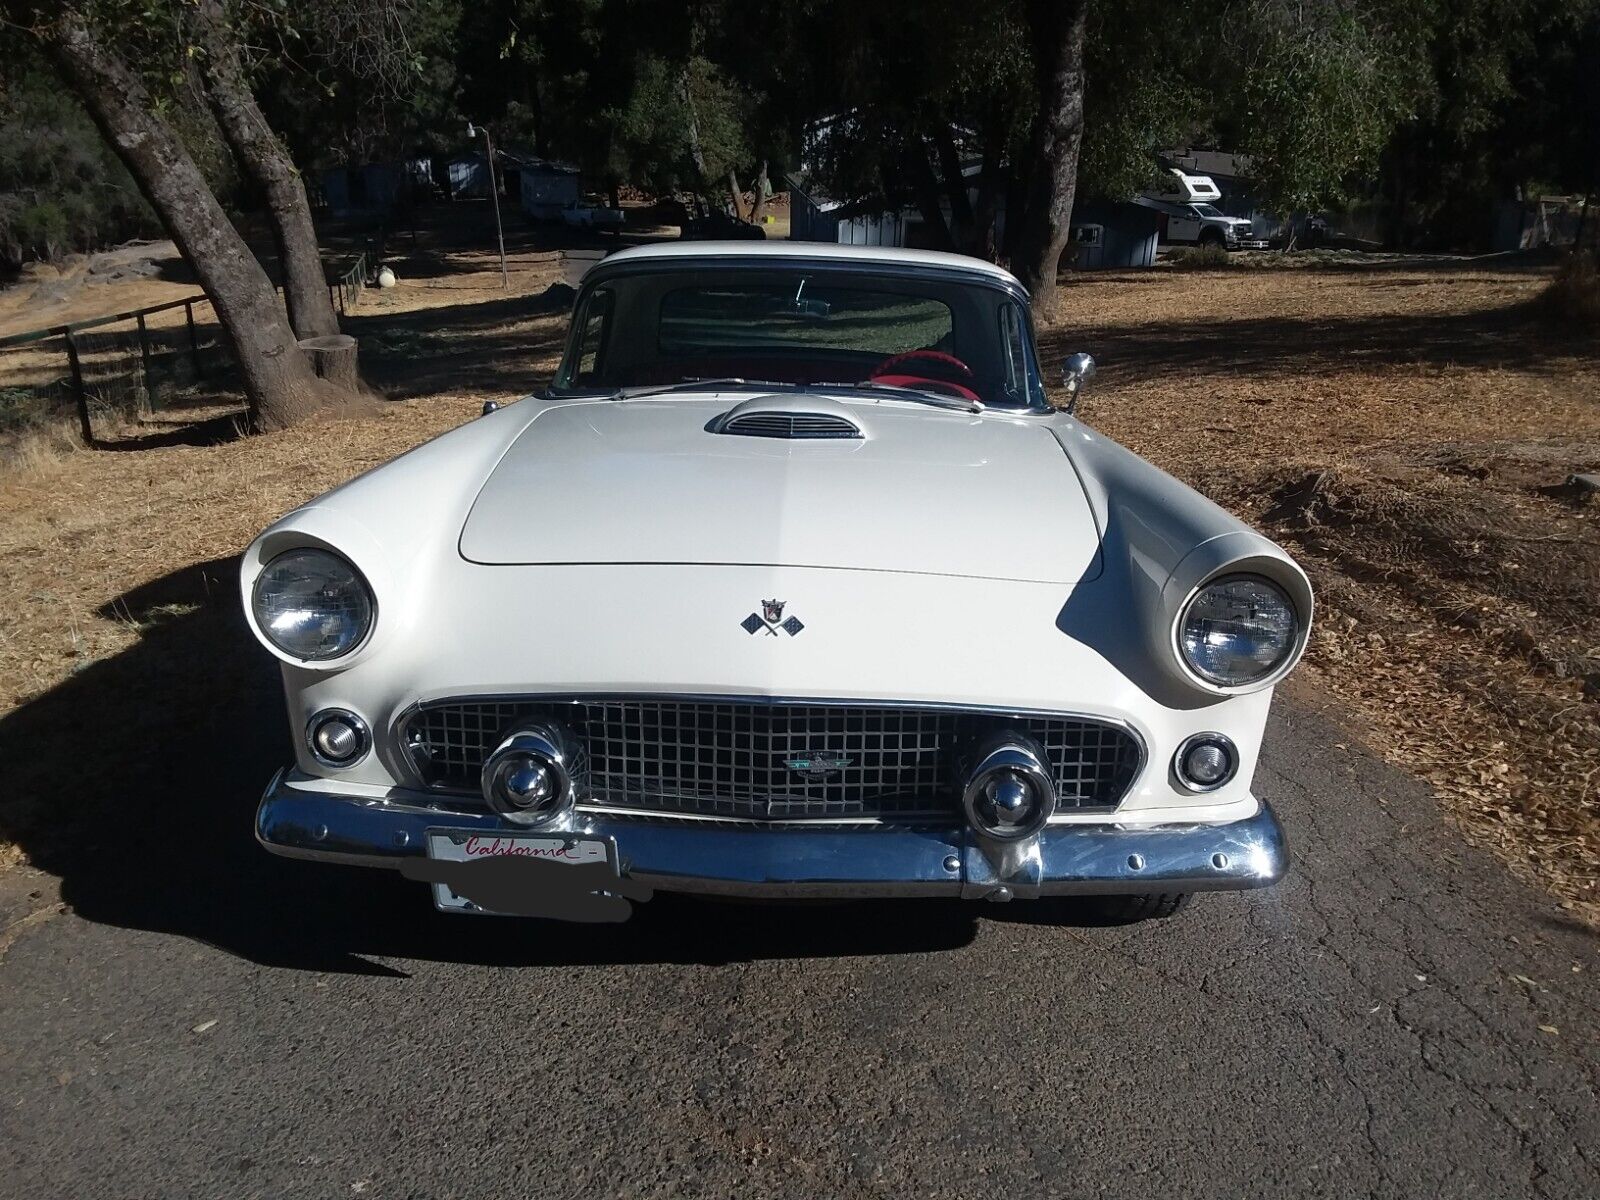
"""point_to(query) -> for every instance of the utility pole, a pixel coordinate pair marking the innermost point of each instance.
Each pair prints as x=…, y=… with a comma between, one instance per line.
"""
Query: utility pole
x=494, y=195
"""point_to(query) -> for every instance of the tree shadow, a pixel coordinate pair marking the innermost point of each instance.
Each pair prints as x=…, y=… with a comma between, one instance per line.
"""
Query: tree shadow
x=1516, y=336
x=135, y=781
x=502, y=345
x=210, y=431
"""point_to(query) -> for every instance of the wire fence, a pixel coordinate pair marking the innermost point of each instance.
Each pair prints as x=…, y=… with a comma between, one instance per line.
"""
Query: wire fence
x=346, y=290
x=118, y=367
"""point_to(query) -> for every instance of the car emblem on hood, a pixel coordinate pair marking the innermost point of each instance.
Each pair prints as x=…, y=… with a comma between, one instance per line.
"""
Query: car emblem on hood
x=770, y=619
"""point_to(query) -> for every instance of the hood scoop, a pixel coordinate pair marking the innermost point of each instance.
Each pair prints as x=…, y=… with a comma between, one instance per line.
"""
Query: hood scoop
x=798, y=418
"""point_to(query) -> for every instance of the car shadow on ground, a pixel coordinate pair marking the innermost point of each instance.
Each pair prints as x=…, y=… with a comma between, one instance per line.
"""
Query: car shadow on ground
x=135, y=783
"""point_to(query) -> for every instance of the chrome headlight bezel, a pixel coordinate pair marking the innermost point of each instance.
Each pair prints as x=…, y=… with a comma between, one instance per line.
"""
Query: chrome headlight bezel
x=1284, y=661
x=294, y=653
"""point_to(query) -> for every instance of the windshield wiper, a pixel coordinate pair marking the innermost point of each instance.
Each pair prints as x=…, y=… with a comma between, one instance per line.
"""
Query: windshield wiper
x=955, y=403
x=689, y=384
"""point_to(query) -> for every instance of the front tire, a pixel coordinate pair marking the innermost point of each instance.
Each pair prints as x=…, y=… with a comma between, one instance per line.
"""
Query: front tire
x=1143, y=906
x=1210, y=237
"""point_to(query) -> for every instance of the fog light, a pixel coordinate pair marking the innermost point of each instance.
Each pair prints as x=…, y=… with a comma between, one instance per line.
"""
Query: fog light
x=337, y=737
x=1009, y=794
x=534, y=774
x=1205, y=762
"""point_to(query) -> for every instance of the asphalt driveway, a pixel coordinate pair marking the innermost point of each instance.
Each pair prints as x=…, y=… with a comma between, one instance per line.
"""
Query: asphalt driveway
x=1399, y=1018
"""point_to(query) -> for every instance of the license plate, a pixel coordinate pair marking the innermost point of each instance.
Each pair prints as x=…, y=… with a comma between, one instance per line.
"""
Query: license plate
x=542, y=851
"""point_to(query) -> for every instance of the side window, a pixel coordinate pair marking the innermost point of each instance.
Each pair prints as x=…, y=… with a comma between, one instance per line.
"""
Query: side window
x=1016, y=353
x=592, y=338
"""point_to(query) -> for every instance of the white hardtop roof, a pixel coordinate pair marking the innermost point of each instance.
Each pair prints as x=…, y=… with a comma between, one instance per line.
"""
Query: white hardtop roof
x=814, y=250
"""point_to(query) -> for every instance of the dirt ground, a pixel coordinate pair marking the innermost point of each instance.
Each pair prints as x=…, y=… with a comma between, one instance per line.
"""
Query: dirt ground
x=1404, y=427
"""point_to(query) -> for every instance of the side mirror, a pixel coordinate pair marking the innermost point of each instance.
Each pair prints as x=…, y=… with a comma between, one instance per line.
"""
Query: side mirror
x=1075, y=372
x=490, y=406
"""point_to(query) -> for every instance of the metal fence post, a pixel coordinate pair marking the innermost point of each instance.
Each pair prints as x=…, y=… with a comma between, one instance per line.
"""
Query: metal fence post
x=194, y=338
x=144, y=361
x=77, y=386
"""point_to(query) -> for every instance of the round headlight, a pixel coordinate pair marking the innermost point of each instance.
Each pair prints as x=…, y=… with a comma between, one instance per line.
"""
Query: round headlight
x=312, y=604
x=1238, y=630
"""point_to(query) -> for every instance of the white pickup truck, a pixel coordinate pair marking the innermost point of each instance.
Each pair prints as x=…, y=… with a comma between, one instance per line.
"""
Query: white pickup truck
x=1191, y=218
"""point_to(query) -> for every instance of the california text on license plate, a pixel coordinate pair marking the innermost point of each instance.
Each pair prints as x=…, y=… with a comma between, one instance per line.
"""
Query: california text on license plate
x=454, y=845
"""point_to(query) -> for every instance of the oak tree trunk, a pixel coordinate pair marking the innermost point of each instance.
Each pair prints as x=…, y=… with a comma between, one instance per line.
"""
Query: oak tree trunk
x=985, y=210
x=696, y=152
x=281, y=388
x=759, y=190
x=929, y=197
x=1057, y=32
x=955, y=187
x=262, y=159
x=737, y=196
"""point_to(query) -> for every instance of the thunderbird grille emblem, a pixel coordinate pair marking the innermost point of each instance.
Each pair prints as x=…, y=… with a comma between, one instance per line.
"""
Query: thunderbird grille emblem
x=770, y=619
x=818, y=766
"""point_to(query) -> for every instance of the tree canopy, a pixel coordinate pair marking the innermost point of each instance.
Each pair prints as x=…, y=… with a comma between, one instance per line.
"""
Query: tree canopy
x=1434, y=108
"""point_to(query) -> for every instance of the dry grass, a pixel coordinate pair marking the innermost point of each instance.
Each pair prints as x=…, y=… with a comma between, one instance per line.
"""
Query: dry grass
x=1574, y=293
x=35, y=452
x=1394, y=426
x=1406, y=431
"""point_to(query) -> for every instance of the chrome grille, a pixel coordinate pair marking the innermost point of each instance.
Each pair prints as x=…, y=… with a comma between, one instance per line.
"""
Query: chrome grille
x=791, y=425
x=759, y=761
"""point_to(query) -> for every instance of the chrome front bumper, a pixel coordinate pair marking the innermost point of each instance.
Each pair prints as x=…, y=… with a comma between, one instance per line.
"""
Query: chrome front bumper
x=813, y=860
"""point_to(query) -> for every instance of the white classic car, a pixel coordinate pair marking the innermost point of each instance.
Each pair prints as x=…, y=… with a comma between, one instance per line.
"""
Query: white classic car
x=791, y=584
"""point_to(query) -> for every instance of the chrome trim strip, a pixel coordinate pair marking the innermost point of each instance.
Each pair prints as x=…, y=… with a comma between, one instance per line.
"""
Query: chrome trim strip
x=1063, y=860
x=901, y=821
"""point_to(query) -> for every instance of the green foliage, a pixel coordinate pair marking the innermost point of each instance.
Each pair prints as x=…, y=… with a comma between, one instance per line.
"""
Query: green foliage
x=1150, y=87
x=1202, y=258
x=1320, y=89
x=1509, y=104
x=61, y=187
x=1434, y=108
x=671, y=110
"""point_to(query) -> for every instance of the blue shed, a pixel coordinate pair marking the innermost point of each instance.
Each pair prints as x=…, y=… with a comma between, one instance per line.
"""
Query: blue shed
x=1111, y=234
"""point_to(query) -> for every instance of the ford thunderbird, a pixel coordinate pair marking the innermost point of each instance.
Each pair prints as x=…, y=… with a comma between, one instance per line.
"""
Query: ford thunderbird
x=795, y=582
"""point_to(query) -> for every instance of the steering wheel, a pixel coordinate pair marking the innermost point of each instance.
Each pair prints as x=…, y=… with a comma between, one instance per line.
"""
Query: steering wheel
x=886, y=372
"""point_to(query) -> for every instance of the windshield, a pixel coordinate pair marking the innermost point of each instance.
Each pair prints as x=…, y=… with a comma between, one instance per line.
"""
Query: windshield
x=824, y=327
x=1206, y=210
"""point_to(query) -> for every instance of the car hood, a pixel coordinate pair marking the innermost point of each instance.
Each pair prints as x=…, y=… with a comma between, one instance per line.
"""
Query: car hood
x=923, y=491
